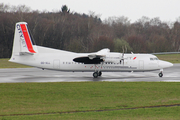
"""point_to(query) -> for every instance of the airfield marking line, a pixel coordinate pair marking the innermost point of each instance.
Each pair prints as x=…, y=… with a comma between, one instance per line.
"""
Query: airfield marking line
x=100, y=110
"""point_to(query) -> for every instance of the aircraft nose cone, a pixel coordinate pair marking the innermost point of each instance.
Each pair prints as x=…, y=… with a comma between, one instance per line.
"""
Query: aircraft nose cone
x=164, y=64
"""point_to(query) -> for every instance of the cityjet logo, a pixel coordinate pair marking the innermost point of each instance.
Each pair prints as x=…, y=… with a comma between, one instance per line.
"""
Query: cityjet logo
x=21, y=35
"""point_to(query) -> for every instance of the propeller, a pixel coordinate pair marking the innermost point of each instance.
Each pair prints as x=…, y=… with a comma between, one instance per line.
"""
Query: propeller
x=123, y=52
x=122, y=58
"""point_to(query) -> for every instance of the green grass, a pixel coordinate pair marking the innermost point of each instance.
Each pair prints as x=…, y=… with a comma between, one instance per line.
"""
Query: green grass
x=137, y=114
x=4, y=63
x=173, y=58
x=29, y=98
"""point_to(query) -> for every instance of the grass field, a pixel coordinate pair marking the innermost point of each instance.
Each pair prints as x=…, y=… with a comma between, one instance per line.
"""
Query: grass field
x=44, y=101
x=4, y=63
x=173, y=58
x=52, y=98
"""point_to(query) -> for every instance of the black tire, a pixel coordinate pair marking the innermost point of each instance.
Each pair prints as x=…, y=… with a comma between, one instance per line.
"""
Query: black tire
x=95, y=74
x=100, y=73
x=160, y=74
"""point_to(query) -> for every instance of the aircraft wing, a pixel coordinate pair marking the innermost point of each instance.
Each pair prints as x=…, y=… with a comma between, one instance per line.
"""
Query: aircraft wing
x=90, y=59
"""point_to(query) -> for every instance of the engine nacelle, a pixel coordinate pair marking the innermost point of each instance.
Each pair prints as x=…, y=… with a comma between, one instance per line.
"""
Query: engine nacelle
x=112, y=60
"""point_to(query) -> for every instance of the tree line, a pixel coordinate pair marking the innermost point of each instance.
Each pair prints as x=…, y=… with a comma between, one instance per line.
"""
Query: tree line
x=77, y=32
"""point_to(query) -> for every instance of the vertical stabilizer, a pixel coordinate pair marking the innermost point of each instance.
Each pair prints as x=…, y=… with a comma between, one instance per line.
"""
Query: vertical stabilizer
x=22, y=41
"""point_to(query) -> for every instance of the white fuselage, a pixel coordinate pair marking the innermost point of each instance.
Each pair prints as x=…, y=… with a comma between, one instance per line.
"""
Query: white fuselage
x=24, y=52
x=48, y=58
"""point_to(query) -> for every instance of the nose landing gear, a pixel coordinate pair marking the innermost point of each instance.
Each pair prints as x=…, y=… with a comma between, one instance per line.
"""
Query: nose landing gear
x=161, y=74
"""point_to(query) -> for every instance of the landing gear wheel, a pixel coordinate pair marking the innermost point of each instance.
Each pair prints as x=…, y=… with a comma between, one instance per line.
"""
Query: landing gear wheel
x=160, y=74
x=95, y=74
x=100, y=73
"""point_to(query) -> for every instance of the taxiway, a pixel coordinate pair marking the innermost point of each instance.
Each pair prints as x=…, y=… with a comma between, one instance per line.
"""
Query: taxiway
x=20, y=75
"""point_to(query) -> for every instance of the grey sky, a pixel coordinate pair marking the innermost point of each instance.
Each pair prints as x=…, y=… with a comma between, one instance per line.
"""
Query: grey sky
x=166, y=10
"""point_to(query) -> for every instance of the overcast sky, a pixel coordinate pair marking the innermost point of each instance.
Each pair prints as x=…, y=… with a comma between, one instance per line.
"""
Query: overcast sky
x=166, y=10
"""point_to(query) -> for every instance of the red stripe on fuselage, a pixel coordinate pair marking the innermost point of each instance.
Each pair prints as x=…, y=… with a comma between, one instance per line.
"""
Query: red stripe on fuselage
x=27, y=38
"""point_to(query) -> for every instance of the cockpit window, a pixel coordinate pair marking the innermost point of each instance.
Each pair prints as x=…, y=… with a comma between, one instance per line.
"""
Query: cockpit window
x=154, y=58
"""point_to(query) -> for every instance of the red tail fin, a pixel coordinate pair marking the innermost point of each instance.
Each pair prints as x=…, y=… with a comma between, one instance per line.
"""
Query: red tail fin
x=27, y=37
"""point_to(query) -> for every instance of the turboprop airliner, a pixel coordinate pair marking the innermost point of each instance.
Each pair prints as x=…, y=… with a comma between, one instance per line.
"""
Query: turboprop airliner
x=25, y=52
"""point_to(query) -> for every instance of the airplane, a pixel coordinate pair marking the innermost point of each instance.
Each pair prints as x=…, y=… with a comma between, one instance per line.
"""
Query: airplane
x=25, y=52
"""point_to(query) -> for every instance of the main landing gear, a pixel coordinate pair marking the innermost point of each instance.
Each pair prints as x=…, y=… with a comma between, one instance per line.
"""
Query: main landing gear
x=97, y=73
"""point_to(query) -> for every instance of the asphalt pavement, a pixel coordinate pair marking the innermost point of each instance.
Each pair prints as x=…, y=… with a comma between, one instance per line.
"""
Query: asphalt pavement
x=22, y=75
